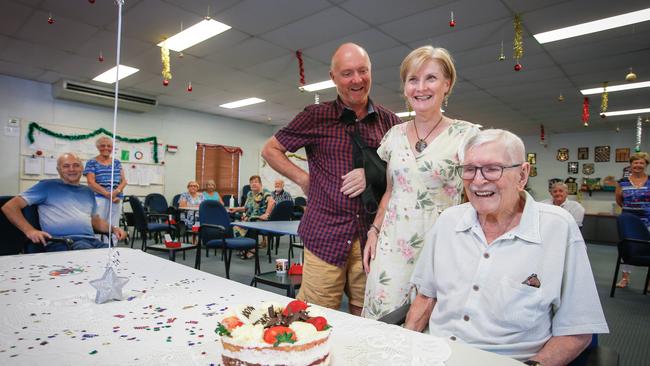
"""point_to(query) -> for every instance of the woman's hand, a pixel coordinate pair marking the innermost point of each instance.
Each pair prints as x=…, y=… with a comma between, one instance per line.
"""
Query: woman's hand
x=370, y=249
x=264, y=217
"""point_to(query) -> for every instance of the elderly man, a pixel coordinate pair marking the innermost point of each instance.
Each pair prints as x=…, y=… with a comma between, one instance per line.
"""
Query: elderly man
x=279, y=194
x=65, y=208
x=335, y=225
x=559, y=191
x=502, y=272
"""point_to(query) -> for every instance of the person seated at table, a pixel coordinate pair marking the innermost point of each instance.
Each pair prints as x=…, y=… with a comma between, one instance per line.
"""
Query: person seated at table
x=559, y=193
x=279, y=194
x=258, y=206
x=190, y=201
x=211, y=193
x=66, y=209
x=502, y=272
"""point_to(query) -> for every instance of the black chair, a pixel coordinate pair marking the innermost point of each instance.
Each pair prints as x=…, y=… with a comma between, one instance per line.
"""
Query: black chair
x=299, y=204
x=156, y=203
x=175, y=200
x=633, y=246
x=217, y=233
x=283, y=211
x=142, y=224
x=244, y=193
x=12, y=240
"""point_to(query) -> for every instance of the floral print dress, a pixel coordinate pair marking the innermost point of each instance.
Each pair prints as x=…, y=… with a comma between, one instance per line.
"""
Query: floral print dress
x=424, y=185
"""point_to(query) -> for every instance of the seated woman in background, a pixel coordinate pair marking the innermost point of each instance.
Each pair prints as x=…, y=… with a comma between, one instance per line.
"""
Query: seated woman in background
x=258, y=206
x=190, y=202
x=210, y=192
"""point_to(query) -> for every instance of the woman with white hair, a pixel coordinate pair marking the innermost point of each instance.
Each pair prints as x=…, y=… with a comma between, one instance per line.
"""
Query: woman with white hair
x=421, y=156
x=106, y=178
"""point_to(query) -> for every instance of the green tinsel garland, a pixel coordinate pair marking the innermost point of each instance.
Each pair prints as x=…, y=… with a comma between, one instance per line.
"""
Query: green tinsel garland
x=34, y=126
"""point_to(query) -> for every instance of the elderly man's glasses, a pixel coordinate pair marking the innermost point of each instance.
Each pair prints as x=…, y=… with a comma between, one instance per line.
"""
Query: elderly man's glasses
x=489, y=172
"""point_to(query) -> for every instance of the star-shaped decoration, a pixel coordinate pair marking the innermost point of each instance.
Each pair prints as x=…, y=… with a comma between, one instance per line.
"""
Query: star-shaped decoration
x=109, y=287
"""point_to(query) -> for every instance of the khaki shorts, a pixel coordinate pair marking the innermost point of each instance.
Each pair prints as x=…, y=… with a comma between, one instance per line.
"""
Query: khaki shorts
x=323, y=283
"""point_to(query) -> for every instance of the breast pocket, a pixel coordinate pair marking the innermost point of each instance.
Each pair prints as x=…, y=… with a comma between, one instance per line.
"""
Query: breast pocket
x=517, y=306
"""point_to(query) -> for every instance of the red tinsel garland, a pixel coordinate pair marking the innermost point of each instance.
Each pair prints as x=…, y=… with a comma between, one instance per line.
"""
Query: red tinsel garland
x=585, y=111
x=301, y=68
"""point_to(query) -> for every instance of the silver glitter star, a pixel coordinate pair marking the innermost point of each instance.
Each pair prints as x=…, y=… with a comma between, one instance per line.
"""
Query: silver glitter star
x=109, y=287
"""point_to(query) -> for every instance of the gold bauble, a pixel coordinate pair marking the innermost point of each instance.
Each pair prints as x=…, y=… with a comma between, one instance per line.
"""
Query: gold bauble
x=560, y=98
x=631, y=76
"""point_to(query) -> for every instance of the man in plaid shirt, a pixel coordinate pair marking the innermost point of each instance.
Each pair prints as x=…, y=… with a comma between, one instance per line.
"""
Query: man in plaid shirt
x=335, y=225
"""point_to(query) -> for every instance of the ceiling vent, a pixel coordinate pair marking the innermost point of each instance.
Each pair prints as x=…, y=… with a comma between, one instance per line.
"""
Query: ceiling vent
x=92, y=94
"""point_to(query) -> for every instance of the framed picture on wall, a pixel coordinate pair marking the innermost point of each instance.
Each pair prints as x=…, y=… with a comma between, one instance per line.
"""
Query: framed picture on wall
x=601, y=154
x=531, y=158
x=588, y=168
x=572, y=167
x=583, y=153
x=533, y=171
x=622, y=155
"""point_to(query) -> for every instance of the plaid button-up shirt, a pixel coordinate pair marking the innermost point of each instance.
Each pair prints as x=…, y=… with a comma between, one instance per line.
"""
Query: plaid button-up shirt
x=332, y=220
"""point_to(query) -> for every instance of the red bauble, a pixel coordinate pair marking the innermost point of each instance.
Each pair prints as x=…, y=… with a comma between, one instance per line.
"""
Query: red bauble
x=518, y=67
x=50, y=20
x=165, y=82
x=100, y=58
x=39, y=152
x=452, y=23
x=91, y=1
x=189, y=87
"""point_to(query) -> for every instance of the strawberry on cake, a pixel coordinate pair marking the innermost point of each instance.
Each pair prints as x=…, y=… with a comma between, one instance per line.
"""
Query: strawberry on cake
x=294, y=335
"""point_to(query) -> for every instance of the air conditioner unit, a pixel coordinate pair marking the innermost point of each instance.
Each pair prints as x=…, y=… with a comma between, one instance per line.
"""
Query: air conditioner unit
x=72, y=90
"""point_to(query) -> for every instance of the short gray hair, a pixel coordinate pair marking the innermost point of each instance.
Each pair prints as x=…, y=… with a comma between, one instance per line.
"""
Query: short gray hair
x=561, y=185
x=511, y=143
x=103, y=138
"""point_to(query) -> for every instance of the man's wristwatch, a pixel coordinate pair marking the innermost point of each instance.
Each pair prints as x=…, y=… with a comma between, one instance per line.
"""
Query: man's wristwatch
x=533, y=363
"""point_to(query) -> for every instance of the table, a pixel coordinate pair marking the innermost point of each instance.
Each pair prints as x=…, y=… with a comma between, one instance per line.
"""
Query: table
x=168, y=317
x=161, y=247
x=288, y=282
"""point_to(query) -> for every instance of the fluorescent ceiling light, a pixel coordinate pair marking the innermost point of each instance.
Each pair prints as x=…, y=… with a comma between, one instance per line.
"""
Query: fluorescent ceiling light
x=614, y=88
x=629, y=111
x=199, y=32
x=109, y=76
x=594, y=26
x=318, y=86
x=241, y=103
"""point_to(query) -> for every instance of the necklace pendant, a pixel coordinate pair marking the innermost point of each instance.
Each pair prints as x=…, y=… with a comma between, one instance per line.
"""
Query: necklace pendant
x=420, y=145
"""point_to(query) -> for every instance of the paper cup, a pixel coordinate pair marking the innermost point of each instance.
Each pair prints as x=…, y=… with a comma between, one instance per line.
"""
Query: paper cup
x=281, y=266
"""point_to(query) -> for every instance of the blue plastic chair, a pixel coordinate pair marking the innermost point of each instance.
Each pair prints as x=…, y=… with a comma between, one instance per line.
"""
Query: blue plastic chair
x=633, y=246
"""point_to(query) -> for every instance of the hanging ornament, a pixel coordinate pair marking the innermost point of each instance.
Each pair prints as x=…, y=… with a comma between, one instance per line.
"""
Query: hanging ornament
x=50, y=20
x=91, y=1
x=604, y=100
x=631, y=76
x=452, y=22
x=501, y=55
x=100, y=58
x=585, y=112
x=316, y=98
x=189, y=87
x=618, y=128
x=639, y=130
x=166, y=67
x=541, y=135
x=301, y=70
x=180, y=53
x=560, y=98
x=518, y=42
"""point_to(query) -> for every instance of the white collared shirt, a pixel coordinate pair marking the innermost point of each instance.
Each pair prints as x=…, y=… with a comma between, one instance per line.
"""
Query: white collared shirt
x=575, y=209
x=480, y=296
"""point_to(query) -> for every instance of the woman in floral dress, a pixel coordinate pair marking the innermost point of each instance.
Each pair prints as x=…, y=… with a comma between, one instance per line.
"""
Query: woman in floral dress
x=421, y=156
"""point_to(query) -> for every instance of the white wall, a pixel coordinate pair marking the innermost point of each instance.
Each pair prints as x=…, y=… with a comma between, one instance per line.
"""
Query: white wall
x=549, y=167
x=33, y=101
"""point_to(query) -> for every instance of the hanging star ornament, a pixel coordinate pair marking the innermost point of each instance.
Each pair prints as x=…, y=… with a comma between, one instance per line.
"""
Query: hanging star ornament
x=109, y=287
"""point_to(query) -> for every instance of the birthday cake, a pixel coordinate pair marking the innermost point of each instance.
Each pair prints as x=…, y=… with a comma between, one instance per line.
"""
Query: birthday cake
x=271, y=334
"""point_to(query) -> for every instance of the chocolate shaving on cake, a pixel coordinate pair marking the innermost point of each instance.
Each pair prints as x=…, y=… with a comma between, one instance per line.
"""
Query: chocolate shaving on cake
x=248, y=311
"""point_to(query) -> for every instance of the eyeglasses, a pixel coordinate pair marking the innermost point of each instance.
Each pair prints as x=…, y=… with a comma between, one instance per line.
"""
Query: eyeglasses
x=489, y=172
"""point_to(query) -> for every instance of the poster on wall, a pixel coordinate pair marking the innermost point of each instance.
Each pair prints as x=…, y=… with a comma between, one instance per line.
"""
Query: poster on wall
x=533, y=171
x=601, y=154
x=588, y=168
x=531, y=158
x=572, y=167
x=562, y=154
x=622, y=155
x=583, y=153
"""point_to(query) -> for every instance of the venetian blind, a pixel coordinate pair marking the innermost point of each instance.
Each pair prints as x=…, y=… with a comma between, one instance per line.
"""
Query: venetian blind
x=219, y=163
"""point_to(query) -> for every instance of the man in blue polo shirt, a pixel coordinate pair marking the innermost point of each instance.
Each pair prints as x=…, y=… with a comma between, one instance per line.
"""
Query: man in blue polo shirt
x=65, y=208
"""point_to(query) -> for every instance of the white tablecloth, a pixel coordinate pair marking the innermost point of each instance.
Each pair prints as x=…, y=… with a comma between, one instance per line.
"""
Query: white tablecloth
x=168, y=317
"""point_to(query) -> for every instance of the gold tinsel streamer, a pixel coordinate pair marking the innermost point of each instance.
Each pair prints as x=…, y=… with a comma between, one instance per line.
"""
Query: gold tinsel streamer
x=164, y=57
x=518, y=42
x=604, y=99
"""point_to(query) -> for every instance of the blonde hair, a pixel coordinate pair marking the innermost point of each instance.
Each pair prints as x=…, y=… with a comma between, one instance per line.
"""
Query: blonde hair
x=640, y=156
x=420, y=56
x=193, y=181
x=211, y=181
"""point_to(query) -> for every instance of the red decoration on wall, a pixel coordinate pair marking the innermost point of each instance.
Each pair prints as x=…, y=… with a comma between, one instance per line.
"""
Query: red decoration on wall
x=301, y=68
x=101, y=56
x=39, y=152
x=189, y=87
x=585, y=112
x=165, y=82
x=50, y=20
x=452, y=22
x=91, y=1
x=541, y=134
